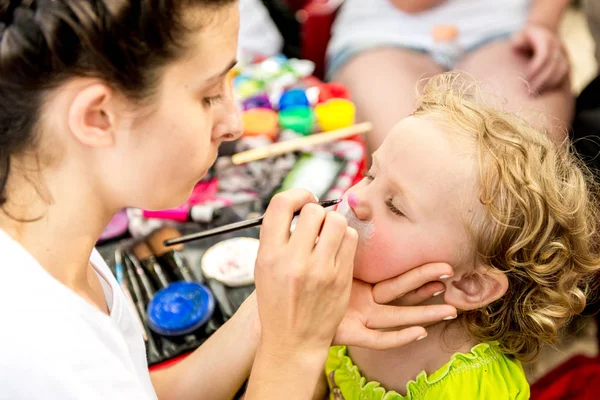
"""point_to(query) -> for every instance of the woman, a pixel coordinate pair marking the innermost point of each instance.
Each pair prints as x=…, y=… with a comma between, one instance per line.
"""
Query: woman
x=112, y=103
x=380, y=52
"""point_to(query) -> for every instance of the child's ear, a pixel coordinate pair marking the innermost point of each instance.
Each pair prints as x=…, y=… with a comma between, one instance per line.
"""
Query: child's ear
x=475, y=288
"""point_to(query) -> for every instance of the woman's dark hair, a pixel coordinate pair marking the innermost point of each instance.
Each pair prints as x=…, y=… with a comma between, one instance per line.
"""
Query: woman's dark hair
x=43, y=43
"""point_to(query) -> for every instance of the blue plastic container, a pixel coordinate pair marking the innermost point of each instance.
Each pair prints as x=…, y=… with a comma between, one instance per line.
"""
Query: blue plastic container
x=180, y=308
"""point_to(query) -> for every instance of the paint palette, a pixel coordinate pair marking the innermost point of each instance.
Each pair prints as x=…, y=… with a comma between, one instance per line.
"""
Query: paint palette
x=231, y=261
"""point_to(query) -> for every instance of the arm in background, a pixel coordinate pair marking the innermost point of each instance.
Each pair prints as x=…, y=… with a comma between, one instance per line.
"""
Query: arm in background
x=547, y=13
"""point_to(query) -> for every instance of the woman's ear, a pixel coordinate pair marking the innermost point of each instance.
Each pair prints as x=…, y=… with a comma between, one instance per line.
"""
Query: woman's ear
x=91, y=116
x=475, y=288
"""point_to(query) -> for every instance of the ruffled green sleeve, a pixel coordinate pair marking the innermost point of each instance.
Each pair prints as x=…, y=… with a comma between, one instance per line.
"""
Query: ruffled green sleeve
x=484, y=373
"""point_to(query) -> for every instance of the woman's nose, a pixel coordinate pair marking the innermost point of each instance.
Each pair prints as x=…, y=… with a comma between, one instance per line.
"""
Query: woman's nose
x=229, y=124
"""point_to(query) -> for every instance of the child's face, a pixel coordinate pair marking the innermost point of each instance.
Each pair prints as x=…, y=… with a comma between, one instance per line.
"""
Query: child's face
x=414, y=205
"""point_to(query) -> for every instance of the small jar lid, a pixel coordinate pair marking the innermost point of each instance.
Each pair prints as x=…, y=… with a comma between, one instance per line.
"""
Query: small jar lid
x=260, y=121
x=335, y=114
x=180, y=308
x=299, y=119
x=333, y=90
x=260, y=100
x=293, y=98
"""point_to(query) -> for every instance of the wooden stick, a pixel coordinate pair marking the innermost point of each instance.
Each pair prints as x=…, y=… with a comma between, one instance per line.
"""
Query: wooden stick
x=276, y=149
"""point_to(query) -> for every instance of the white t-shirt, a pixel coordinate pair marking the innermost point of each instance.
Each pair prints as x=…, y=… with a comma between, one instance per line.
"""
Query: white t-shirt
x=54, y=345
x=362, y=23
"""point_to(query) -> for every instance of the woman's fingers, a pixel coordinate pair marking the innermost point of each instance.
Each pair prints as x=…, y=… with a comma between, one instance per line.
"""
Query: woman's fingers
x=418, y=296
x=347, y=251
x=332, y=235
x=344, y=260
x=393, y=288
x=384, y=317
x=275, y=230
x=377, y=340
x=310, y=221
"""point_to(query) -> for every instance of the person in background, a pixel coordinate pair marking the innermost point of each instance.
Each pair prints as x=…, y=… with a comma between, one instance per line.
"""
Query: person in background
x=259, y=36
x=512, y=46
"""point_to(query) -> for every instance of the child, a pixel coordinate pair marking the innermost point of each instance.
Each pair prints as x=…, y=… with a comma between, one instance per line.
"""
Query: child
x=516, y=217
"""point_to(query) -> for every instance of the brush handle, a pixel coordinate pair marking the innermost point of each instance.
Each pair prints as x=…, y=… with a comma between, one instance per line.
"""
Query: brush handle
x=156, y=272
x=296, y=144
x=139, y=314
x=143, y=278
x=250, y=223
x=136, y=291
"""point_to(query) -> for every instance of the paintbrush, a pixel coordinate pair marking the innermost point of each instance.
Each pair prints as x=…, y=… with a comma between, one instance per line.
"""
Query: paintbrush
x=250, y=223
x=288, y=146
x=143, y=253
x=136, y=305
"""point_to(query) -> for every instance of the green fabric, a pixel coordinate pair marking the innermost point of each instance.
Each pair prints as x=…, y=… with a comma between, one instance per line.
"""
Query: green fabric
x=484, y=373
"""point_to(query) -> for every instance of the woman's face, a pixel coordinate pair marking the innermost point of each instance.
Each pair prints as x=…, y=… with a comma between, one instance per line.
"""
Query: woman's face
x=164, y=153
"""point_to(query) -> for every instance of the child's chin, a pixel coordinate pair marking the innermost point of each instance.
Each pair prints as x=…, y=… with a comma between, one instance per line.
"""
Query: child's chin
x=367, y=274
x=374, y=270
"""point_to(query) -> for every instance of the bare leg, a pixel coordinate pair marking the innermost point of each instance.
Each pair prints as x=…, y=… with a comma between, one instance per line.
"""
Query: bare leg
x=502, y=70
x=383, y=85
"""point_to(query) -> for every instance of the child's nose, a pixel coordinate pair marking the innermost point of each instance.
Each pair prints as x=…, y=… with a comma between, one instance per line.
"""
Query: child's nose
x=359, y=205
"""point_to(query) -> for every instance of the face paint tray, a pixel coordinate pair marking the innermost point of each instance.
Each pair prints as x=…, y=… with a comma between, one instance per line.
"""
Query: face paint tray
x=226, y=299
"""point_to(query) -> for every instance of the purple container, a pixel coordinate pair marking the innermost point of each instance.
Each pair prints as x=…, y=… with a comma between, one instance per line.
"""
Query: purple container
x=258, y=101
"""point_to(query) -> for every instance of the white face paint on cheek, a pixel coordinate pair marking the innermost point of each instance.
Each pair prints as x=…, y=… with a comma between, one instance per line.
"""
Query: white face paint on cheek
x=365, y=229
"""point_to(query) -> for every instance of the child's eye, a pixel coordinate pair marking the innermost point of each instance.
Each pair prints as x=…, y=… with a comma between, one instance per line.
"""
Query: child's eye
x=368, y=175
x=211, y=101
x=393, y=208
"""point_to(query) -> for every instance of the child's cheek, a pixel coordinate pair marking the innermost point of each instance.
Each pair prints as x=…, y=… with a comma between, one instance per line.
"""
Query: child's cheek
x=379, y=258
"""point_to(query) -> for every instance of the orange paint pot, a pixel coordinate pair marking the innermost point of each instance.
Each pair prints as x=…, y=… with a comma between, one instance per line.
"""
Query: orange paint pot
x=260, y=122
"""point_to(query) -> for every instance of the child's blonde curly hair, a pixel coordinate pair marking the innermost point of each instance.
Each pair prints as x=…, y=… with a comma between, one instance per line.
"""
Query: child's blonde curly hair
x=542, y=219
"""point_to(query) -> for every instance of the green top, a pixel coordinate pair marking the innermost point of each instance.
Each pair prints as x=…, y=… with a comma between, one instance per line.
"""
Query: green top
x=484, y=373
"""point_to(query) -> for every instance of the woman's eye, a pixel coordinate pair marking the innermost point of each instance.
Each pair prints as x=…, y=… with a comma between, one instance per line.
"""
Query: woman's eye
x=393, y=208
x=211, y=101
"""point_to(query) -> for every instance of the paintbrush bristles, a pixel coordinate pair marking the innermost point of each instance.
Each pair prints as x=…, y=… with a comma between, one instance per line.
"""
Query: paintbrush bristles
x=156, y=241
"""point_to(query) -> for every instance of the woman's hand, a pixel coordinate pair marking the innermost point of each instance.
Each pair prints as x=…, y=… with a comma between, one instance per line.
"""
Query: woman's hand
x=302, y=289
x=303, y=284
x=368, y=313
x=549, y=65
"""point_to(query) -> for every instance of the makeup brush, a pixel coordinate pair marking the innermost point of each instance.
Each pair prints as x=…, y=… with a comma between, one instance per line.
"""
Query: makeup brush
x=170, y=258
x=250, y=223
x=150, y=264
x=135, y=303
x=137, y=269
